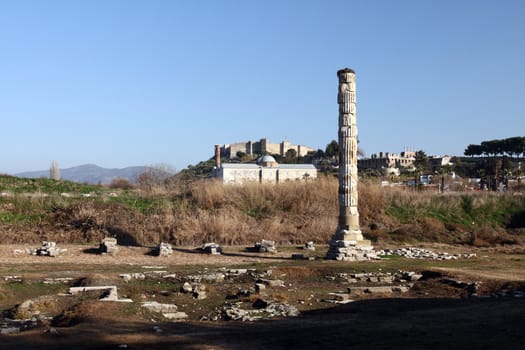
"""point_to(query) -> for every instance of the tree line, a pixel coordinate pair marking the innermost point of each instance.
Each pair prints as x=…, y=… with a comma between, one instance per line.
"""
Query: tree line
x=512, y=146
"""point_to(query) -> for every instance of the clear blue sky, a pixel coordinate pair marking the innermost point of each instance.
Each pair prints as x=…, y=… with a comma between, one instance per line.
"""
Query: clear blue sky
x=121, y=83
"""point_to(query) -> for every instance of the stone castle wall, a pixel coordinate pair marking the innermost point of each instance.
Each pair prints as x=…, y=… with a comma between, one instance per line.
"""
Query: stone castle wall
x=263, y=146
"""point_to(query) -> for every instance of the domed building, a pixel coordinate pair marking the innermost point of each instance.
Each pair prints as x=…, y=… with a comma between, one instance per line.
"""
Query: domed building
x=265, y=170
x=267, y=161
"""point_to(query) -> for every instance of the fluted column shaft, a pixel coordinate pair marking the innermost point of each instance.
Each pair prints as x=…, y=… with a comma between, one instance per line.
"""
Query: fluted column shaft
x=348, y=228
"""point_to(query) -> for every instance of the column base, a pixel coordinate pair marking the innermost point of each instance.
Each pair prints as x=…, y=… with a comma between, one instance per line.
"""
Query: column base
x=348, y=235
x=349, y=245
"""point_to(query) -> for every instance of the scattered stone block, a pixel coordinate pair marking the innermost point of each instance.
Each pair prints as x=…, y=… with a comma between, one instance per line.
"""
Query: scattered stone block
x=200, y=294
x=9, y=330
x=164, y=249
x=14, y=279
x=212, y=248
x=168, y=311
x=357, y=290
x=160, y=308
x=129, y=276
x=265, y=246
x=175, y=316
x=340, y=296
x=386, y=279
x=215, y=277
x=281, y=309
x=237, y=272
x=57, y=280
x=400, y=289
x=48, y=249
x=198, y=290
x=111, y=294
x=271, y=283
x=186, y=288
x=108, y=246
x=309, y=245
x=379, y=289
x=259, y=287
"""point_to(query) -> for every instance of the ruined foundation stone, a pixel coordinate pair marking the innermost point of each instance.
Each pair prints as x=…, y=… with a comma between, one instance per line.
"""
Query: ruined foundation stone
x=49, y=249
x=348, y=242
x=265, y=246
x=309, y=246
x=211, y=248
x=164, y=249
x=108, y=245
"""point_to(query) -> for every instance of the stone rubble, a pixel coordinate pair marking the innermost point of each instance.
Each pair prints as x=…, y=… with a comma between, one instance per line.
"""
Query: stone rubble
x=155, y=273
x=198, y=290
x=236, y=272
x=377, y=277
x=420, y=253
x=236, y=312
x=14, y=279
x=47, y=249
x=382, y=283
x=214, y=277
x=9, y=330
x=129, y=276
x=243, y=308
x=58, y=280
x=10, y=326
x=377, y=289
x=30, y=308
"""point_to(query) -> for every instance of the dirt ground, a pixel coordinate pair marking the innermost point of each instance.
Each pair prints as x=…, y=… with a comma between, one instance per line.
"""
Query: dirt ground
x=85, y=254
x=429, y=321
x=371, y=324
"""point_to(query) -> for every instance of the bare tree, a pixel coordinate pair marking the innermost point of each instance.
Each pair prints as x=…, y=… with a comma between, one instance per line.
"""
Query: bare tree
x=54, y=171
x=156, y=179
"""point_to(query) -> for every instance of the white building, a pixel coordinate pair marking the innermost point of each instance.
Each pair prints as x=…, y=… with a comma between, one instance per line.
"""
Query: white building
x=266, y=170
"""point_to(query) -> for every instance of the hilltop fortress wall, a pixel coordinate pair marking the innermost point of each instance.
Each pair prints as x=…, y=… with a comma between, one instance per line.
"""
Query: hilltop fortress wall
x=263, y=146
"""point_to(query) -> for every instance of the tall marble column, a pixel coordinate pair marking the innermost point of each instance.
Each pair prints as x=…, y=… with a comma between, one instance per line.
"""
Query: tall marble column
x=348, y=242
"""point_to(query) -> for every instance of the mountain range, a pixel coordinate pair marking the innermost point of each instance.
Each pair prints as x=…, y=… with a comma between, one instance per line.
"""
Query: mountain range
x=90, y=173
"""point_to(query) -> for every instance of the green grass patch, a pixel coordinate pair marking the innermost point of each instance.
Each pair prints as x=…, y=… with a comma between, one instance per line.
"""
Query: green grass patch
x=16, y=218
x=16, y=185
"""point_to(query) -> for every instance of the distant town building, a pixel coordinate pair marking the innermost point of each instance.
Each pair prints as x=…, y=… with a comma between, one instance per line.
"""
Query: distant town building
x=262, y=147
x=437, y=162
x=389, y=163
x=265, y=170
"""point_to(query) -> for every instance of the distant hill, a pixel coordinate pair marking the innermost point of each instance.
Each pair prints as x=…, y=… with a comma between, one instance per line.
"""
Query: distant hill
x=90, y=173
